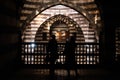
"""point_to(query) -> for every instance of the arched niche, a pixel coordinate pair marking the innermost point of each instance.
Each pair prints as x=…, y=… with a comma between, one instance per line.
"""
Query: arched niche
x=60, y=25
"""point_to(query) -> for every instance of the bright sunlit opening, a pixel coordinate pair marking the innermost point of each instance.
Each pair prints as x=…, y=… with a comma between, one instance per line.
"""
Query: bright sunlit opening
x=32, y=45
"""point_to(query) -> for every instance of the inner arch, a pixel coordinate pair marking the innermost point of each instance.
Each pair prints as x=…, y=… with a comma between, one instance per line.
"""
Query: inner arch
x=82, y=22
x=60, y=25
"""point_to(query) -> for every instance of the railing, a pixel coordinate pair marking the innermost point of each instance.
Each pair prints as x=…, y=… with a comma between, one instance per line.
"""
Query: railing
x=35, y=53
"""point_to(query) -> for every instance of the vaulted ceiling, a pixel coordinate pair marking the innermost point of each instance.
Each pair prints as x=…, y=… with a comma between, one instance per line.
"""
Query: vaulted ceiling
x=84, y=12
x=31, y=8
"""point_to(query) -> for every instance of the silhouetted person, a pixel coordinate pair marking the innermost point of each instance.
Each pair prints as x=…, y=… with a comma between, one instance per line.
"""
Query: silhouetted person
x=69, y=53
x=53, y=51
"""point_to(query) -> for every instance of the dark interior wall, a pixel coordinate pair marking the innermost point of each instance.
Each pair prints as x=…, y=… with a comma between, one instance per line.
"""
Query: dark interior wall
x=9, y=34
x=111, y=20
x=110, y=16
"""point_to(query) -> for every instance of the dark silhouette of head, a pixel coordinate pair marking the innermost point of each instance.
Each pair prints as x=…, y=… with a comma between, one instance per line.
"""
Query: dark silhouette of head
x=53, y=36
x=72, y=38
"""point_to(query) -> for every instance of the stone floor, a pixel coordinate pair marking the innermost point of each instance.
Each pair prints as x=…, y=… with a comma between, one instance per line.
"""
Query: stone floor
x=61, y=74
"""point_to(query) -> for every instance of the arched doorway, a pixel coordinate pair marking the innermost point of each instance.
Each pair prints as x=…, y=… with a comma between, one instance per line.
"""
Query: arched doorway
x=88, y=28
x=45, y=23
x=61, y=26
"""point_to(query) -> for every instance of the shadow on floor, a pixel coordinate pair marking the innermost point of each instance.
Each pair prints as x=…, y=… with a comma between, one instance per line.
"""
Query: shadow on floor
x=61, y=74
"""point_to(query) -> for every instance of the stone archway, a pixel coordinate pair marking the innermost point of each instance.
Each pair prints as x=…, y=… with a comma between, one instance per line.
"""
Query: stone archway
x=69, y=27
x=84, y=26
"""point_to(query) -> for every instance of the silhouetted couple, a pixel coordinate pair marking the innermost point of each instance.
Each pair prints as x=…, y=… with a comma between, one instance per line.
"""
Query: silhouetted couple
x=69, y=52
